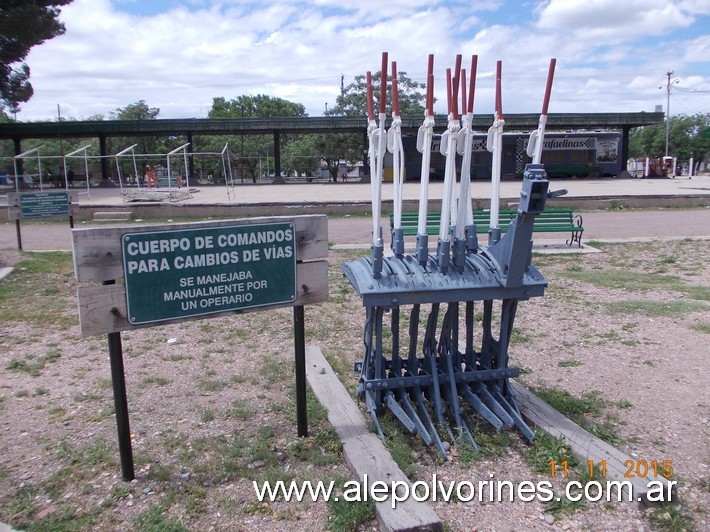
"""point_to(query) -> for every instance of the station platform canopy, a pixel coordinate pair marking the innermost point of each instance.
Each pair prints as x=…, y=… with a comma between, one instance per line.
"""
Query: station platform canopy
x=335, y=124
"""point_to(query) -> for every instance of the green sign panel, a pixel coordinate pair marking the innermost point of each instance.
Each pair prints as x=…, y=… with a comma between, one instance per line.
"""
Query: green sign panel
x=178, y=274
x=40, y=204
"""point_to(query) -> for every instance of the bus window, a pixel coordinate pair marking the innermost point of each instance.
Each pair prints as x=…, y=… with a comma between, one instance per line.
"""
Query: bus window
x=582, y=156
x=553, y=157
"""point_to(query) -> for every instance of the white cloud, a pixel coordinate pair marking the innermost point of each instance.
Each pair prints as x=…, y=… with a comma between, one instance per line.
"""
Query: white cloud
x=614, y=19
x=696, y=7
x=697, y=50
x=295, y=49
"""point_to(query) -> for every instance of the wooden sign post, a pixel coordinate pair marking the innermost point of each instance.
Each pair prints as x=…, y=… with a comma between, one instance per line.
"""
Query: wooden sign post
x=192, y=271
x=28, y=205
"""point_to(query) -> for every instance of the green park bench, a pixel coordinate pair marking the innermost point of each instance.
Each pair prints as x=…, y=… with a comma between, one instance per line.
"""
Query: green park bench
x=549, y=221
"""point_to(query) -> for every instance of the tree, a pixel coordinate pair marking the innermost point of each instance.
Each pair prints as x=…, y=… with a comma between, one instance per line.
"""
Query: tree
x=23, y=25
x=18, y=89
x=137, y=111
x=259, y=106
x=684, y=139
x=352, y=100
x=300, y=155
x=254, y=152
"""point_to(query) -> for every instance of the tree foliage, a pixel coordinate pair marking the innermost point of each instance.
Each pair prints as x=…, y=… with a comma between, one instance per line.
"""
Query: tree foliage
x=135, y=111
x=254, y=154
x=23, y=25
x=352, y=101
x=259, y=106
x=684, y=139
x=139, y=110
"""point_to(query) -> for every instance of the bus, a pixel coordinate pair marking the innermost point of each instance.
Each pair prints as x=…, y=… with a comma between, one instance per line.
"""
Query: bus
x=571, y=154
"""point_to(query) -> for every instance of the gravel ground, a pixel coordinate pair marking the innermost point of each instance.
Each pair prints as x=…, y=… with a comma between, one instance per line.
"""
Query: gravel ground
x=212, y=408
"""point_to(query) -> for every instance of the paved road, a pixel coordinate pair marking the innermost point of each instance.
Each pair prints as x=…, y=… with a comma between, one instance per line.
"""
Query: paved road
x=353, y=192
x=354, y=231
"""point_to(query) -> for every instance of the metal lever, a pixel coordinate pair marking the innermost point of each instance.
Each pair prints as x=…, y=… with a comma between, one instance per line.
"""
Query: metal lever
x=557, y=193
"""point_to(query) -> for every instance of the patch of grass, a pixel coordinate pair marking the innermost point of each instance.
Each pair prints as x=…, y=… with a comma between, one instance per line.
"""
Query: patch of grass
x=196, y=501
x=671, y=518
x=86, y=397
x=27, y=298
x=604, y=431
x=323, y=447
x=274, y=370
x=611, y=335
x=242, y=409
x=703, y=327
x=33, y=366
x=580, y=409
x=491, y=444
x=154, y=380
x=153, y=520
x=120, y=491
x=466, y=454
x=590, y=403
x=18, y=509
x=56, y=412
x=64, y=519
x=344, y=515
x=159, y=472
x=545, y=449
x=701, y=293
x=176, y=357
x=399, y=447
x=561, y=506
x=104, y=413
x=569, y=363
x=316, y=412
x=207, y=416
x=655, y=309
x=626, y=279
x=518, y=337
x=210, y=385
x=634, y=281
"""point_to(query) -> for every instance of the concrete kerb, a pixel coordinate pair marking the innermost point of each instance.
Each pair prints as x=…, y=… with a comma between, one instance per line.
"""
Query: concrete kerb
x=4, y=272
x=205, y=210
x=538, y=247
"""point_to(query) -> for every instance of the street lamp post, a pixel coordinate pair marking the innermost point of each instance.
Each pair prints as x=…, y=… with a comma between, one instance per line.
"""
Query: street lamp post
x=669, y=84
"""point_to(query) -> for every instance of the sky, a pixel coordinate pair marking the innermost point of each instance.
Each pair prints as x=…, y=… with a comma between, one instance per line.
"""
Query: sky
x=177, y=55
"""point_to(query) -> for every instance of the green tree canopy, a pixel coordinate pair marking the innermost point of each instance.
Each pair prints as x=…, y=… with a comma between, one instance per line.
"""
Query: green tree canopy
x=135, y=111
x=259, y=106
x=254, y=153
x=140, y=110
x=352, y=101
x=23, y=25
x=684, y=139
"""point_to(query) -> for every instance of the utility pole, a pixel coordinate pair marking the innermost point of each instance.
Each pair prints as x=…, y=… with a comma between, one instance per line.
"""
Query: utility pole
x=668, y=103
